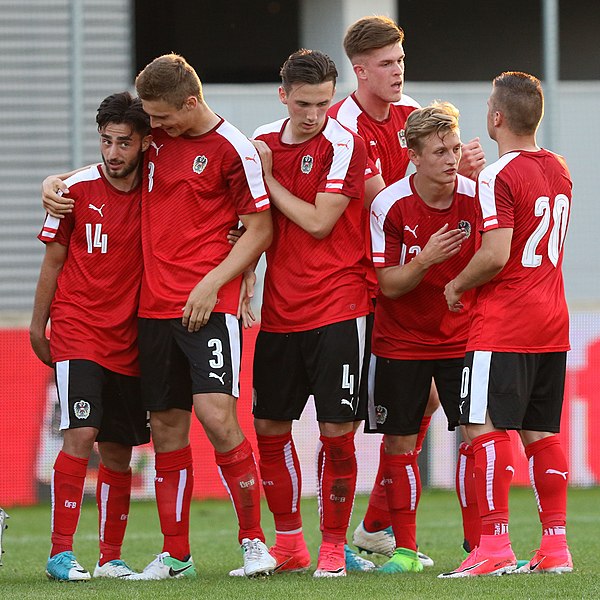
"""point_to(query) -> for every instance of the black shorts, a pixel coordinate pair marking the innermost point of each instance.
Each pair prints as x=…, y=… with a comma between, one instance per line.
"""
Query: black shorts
x=93, y=396
x=177, y=364
x=399, y=392
x=519, y=391
x=326, y=362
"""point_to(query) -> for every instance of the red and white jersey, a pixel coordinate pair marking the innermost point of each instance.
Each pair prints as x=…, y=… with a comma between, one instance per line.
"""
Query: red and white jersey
x=418, y=325
x=385, y=141
x=308, y=282
x=94, y=311
x=523, y=308
x=194, y=191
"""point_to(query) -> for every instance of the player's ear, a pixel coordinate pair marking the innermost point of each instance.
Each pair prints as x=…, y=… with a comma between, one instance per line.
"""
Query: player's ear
x=359, y=71
x=191, y=102
x=413, y=157
x=282, y=95
x=146, y=142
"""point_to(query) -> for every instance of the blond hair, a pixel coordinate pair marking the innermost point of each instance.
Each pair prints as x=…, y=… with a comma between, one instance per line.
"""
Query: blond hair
x=371, y=33
x=169, y=78
x=439, y=117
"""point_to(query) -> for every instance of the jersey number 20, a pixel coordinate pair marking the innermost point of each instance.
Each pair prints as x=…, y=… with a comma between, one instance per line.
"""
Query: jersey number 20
x=559, y=214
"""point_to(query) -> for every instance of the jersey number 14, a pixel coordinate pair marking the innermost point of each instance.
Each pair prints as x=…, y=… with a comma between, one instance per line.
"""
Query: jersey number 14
x=97, y=239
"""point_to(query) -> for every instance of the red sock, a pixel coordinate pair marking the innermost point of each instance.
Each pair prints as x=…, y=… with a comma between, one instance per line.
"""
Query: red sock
x=377, y=516
x=281, y=479
x=493, y=474
x=113, y=493
x=426, y=421
x=68, y=478
x=173, y=484
x=548, y=472
x=403, y=489
x=467, y=496
x=240, y=475
x=337, y=486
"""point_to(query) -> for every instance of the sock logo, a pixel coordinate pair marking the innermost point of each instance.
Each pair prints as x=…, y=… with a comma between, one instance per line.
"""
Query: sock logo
x=247, y=484
x=563, y=474
x=335, y=498
x=69, y=504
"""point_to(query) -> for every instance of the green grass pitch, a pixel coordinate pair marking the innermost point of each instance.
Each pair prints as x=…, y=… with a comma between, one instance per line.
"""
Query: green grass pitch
x=213, y=537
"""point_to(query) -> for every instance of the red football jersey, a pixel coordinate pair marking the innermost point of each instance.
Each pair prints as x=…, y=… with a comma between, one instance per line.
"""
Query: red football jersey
x=195, y=190
x=523, y=309
x=94, y=311
x=308, y=282
x=418, y=325
x=385, y=141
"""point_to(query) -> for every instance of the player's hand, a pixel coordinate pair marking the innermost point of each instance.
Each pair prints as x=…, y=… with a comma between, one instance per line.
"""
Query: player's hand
x=266, y=156
x=453, y=297
x=245, y=312
x=41, y=346
x=53, y=199
x=199, y=306
x=235, y=234
x=472, y=160
x=441, y=246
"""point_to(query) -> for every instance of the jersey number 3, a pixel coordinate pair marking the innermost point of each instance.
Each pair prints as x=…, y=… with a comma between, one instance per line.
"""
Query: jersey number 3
x=560, y=219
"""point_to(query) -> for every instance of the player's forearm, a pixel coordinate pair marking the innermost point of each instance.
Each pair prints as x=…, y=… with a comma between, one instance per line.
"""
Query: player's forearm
x=399, y=280
x=304, y=214
x=482, y=268
x=44, y=294
x=246, y=251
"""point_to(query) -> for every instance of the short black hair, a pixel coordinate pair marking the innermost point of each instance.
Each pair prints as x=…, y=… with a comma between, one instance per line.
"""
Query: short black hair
x=307, y=66
x=123, y=108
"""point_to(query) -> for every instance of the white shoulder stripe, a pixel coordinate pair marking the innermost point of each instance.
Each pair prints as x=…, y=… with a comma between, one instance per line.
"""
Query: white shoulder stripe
x=466, y=186
x=274, y=127
x=342, y=142
x=406, y=100
x=90, y=174
x=250, y=162
x=348, y=114
x=486, y=188
x=380, y=207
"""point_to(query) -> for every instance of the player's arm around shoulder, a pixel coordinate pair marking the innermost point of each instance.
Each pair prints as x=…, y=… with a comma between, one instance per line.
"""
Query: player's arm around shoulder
x=54, y=260
x=55, y=192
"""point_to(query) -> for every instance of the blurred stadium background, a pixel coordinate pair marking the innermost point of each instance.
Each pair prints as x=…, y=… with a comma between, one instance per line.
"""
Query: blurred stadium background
x=60, y=58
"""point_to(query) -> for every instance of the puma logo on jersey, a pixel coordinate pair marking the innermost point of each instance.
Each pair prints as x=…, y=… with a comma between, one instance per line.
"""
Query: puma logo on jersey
x=99, y=210
x=377, y=216
x=157, y=148
x=486, y=182
x=413, y=231
x=251, y=158
x=221, y=378
x=563, y=474
x=344, y=145
x=347, y=403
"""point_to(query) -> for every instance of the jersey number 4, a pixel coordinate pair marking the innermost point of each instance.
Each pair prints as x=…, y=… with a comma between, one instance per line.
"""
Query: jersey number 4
x=97, y=239
x=559, y=214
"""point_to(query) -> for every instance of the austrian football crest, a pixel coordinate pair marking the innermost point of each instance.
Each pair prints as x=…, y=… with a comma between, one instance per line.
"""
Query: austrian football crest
x=81, y=408
x=381, y=414
x=307, y=164
x=465, y=226
x=402, y=138
x=200, y=163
